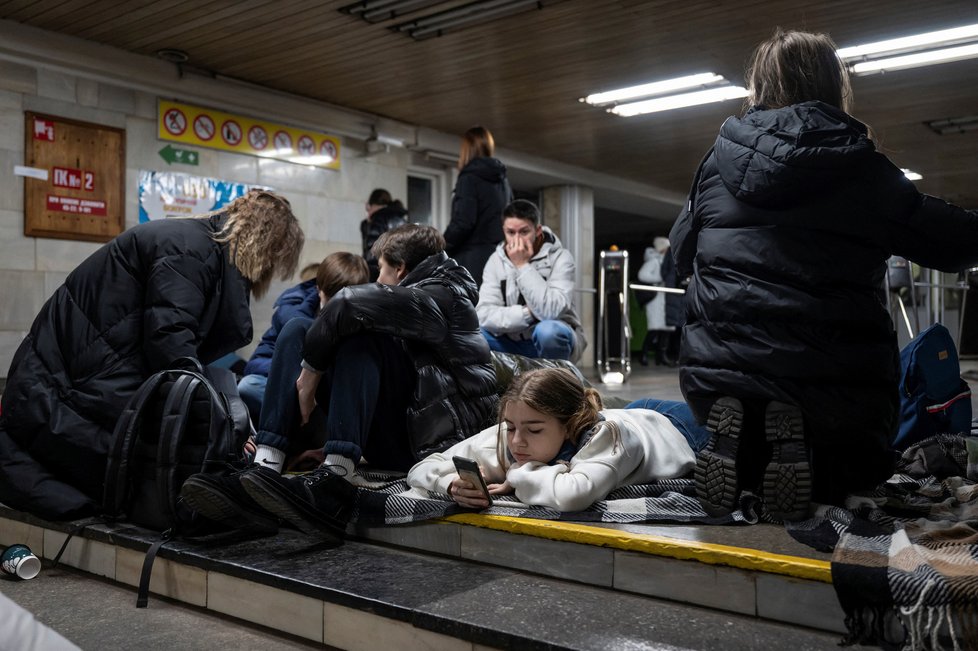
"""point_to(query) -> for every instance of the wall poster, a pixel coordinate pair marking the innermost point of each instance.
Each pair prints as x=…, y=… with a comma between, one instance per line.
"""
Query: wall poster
x=172, y=194
x=75, y=188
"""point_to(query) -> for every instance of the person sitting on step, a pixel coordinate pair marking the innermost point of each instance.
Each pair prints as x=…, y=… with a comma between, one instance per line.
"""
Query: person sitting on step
x=788, y=352
x=399, y=369
x=526, y=301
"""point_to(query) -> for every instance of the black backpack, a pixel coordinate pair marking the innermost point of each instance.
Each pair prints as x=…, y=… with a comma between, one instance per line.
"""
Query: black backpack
x=180, y=422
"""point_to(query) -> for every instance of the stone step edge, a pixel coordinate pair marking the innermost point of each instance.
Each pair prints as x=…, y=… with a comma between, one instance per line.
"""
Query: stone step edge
x=337, y=605
x=752, y=560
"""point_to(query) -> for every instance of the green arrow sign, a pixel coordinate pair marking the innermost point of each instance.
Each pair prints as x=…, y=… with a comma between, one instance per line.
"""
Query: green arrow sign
x=172, y=155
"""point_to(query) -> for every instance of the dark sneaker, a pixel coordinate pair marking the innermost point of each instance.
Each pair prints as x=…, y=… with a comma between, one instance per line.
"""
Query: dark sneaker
x=715, y=475
x=222, y=498
x=788, y=477
x=319, y=503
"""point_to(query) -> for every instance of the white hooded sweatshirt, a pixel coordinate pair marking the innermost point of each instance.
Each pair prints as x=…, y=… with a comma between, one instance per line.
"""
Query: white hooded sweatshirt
x=650, y=448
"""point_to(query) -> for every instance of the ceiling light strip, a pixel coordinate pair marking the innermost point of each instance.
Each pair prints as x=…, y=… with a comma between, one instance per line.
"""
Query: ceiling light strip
x=909, y=43
x=671, y=102
x=654, y=88
x=915, y=60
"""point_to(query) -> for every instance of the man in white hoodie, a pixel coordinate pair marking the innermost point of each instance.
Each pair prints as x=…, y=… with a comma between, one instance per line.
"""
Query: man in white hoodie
x=526, y=302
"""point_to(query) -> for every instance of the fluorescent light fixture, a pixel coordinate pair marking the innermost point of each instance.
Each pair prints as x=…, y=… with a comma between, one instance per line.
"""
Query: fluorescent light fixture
x=911, y=43
x=960, y=124
x=377, y=11
x=931, y=48
x=654, y=88
x=670, y=102
x=916, y=60
x=910, y=174
x=465, y=15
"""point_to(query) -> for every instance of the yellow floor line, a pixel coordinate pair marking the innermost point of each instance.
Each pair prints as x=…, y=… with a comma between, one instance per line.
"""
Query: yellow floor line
x=743, y=558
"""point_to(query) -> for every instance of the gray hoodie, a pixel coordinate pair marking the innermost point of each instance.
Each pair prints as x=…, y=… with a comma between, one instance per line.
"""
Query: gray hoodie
x=546, y=285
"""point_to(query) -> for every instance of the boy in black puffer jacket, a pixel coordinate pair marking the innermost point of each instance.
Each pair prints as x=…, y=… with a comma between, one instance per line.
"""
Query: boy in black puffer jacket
x=401, y=370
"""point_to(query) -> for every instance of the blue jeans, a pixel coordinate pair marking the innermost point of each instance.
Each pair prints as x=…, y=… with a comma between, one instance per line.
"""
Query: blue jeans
x=365, y=395
x=551, y=339
x=680, y=415
x=251, y=388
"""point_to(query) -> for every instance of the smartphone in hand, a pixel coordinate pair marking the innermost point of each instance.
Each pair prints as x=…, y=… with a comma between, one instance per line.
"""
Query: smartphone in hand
x=469, y=471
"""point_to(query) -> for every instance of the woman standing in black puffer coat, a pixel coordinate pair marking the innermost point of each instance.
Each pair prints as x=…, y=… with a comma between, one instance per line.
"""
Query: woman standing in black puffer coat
x=162, y=290
x=481, y=193
x=789, y=353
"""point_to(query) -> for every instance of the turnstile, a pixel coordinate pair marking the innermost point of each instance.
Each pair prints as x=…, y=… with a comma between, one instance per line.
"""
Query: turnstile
x=613, y=316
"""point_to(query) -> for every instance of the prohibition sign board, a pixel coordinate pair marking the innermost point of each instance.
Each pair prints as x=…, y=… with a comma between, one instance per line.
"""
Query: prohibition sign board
x=231, y=132
x=204, y=127
x=186, y=124
x=306, y=146
x=257, y=137
x=283, y=141
x=175, y=122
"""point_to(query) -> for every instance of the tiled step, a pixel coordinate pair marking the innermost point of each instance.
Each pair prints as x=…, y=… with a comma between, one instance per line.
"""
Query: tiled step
x=367, y=596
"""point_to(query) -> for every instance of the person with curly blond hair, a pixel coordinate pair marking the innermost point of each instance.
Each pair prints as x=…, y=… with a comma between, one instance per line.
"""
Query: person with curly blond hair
x=158, y=292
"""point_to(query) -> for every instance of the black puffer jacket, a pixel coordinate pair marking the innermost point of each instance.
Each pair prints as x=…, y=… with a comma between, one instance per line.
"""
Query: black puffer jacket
x=390, y=216
x=158, y=291
x=432, y=310
x=481, y=194
x=788, y=226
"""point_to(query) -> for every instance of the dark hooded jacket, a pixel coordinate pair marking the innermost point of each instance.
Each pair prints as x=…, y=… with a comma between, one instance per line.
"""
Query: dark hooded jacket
x=159, y=291
x=298, y=300
x=789, y=223
x=432, y=311
x=384, y=219
x=481, y=194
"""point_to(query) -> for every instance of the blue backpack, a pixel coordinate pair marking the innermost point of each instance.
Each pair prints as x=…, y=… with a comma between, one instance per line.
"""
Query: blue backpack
x=933, y=397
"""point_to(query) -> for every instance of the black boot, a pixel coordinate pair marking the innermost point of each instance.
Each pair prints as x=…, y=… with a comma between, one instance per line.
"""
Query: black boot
x=646, y=345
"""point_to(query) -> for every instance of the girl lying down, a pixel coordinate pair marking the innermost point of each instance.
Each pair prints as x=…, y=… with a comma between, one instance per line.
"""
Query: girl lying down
x=555, y=447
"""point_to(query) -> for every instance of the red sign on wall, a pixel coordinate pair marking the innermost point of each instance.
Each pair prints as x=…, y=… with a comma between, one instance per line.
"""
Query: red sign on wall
x=76, y=206
x=43, y=130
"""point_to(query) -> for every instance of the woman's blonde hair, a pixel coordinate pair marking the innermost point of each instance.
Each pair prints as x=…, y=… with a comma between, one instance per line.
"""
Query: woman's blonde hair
x=793, y=67
x=263, y=237
x=477, y=142
x=554, y=392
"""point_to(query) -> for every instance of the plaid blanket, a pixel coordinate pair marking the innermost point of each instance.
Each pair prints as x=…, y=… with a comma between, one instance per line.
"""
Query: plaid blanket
x=905, y=557
x=384, y=500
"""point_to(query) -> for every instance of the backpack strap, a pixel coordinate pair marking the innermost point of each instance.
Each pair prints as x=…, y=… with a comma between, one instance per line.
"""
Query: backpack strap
x=116, y=490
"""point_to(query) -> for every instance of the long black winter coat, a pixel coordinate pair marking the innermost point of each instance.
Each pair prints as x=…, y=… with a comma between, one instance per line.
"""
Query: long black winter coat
x=481, y=194
x=789, y=223
x=433, y=311
x=156, y=292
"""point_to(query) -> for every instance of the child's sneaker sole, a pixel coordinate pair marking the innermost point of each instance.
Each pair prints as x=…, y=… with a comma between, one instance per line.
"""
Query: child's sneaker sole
x=715, y=474
x=788, y=477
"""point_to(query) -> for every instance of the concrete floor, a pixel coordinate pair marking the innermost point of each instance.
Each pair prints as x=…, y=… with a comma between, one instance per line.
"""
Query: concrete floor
x=97, y=614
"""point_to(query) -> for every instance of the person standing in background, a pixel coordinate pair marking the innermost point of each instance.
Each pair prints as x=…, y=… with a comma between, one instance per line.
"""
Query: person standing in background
x=481, y=193
x=658, y=332
x=383, y=214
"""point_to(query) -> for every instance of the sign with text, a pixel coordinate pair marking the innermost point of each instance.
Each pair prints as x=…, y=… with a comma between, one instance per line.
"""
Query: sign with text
x=203, y=127
x=171, y=194
x=81, y=196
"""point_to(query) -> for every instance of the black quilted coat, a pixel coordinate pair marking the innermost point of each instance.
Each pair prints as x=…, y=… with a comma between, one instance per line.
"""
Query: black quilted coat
x=158, y=291
x=789, y=223
x=481, y=193
x=433, y=311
